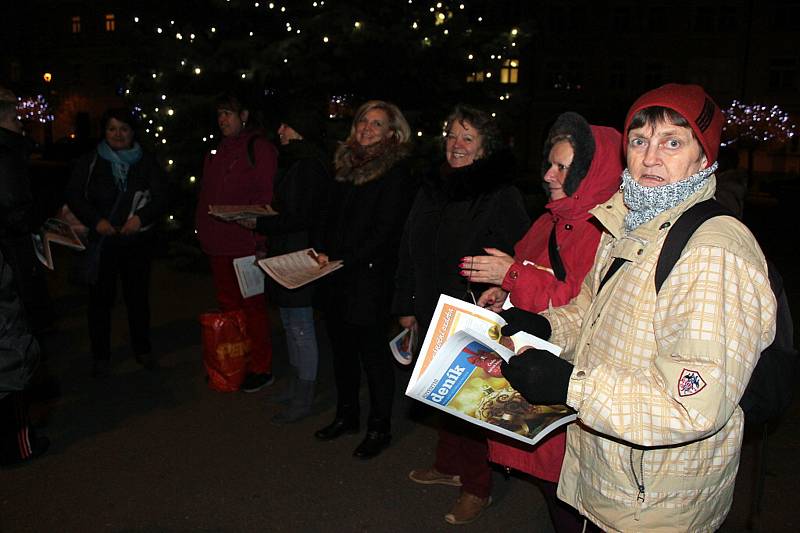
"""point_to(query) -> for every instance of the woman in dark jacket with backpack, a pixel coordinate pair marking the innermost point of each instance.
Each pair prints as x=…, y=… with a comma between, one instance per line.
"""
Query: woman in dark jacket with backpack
x=119, y=192
x=300, y=192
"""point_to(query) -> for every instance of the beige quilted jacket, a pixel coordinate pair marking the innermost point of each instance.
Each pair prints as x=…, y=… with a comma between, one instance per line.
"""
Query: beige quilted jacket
x=657, y=380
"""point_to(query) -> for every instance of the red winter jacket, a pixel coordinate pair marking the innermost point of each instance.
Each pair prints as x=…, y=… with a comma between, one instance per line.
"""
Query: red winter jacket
x=535, y=289
x=229, y=178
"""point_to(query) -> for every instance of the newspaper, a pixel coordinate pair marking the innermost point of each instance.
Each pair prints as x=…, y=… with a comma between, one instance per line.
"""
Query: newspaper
x=57, y=231
x=230, y=213
x=296, y=269
x=249, y=276
x=458, y=372
x=405, y=345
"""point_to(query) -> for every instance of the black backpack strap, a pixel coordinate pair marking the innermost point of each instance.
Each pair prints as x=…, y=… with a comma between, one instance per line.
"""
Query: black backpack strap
x=251, y=150
x=555, y=258
x=680, y=233
x=615, y=265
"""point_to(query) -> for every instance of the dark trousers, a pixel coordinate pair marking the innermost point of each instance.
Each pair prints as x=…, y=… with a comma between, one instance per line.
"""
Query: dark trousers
x=15, y=432
x=463, y=451
x=565, y=518
x=354, y=347
x=131, y=265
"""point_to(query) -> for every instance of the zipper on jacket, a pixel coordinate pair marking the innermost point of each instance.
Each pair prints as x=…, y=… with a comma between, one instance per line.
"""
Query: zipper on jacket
x=639, y=480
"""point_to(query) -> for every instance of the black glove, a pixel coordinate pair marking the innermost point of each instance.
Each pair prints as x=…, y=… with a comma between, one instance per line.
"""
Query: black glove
x=541, y=377
x=519, y=320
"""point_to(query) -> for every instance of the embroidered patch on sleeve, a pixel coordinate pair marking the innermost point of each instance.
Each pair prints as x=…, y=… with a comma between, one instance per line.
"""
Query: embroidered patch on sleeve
x=690, y=383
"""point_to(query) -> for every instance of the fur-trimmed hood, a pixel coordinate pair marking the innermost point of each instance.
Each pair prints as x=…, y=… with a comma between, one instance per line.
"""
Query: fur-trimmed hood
x=578, y=129
x=359, y=165
x=482, y=176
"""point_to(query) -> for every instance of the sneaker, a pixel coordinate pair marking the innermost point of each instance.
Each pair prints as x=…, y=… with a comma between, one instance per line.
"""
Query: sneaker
x=431, y=476
x=256, y=382
x=467, y=508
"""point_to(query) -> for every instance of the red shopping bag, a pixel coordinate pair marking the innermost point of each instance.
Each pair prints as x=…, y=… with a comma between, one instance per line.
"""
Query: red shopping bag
x=226, y=349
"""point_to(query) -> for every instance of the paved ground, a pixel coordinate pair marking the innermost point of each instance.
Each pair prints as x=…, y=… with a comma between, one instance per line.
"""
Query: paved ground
x=159, y=452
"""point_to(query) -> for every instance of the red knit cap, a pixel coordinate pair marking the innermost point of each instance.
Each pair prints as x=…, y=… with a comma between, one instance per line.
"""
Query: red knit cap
x=692, y=102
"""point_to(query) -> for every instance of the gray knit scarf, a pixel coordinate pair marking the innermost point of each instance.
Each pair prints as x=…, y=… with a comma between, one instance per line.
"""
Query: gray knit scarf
x=646, y=203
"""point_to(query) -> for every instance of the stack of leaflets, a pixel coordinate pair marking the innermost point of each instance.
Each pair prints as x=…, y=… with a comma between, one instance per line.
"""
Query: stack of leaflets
x=296, y=269
x=458, y=371
x=230, y=213
x=58, y=231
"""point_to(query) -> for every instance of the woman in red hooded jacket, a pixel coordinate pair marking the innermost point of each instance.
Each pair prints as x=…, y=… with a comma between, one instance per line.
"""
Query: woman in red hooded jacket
x=582, y=168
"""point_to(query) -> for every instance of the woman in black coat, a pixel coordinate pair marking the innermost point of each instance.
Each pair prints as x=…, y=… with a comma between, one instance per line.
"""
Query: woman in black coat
x=118, y=191
x=467, y=205
x=299, y=195
x=369, y=203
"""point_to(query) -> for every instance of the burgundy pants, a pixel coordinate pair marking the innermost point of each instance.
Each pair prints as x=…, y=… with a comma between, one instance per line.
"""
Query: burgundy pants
x=229, y=298
x=463, y=450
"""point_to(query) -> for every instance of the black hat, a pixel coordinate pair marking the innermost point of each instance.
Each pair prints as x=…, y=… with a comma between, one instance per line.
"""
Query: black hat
x=304, y=119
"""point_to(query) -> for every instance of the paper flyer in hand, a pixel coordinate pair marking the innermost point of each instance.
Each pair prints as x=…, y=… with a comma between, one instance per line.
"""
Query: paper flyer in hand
x=458, y=371
x=296, y=269
x=404, y=345
x=249, y=276
x=57, y=231
x=230, y=213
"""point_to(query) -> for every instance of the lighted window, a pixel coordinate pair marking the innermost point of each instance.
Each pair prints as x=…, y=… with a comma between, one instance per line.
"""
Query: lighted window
x=509, y=73
x=111, y=22
x=474, y=77
x=76, y=24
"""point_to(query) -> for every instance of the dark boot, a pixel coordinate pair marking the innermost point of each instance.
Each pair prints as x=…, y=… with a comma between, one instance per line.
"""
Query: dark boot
x=346, y=421
x=300, y=406
x=287, y=394
x=373, y=444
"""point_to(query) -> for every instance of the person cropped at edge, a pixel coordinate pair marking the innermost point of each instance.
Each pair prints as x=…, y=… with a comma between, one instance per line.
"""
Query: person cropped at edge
x=239, y=172
x=299, y=196
x=101, y=191
x=20, y=216
x=467, y=203
x=656, y=378
x=370, y=199
x=582, y=168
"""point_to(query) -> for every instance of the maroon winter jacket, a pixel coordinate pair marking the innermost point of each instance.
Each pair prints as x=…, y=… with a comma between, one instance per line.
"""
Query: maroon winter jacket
x=534, y=288
x=230, y=178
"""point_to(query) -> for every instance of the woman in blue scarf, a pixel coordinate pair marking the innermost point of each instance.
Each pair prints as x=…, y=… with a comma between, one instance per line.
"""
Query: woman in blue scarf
x=118, y=191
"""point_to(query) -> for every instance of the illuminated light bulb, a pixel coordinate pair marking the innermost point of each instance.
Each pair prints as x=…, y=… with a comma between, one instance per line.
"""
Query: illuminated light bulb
x=163, y=97
x=285, y=60
x=415, y=25
x=244, y=76
x=325, y=39
x=213, y=29
x=197, y=70
x=155, y=109
x=488, y=74
x=251, y=34
x=172, y=217
x=470, y=56
x=283, y=10
x=170, y=112
x=160, y=128
x=179, y=36
x=205, y=139
x=480, y=19
x=159, y=30
x=419, y=134
x=446, y=32
x=460, y=6
x=514, y=32
x=170, y=162
x=192, y=179
x=127, y=91
x=357, y=25
x=213, y=152
x=191, y=36
x=163, y=141
x=154, y=75
x=494, y=115
x=271, y=5
x=136, y=19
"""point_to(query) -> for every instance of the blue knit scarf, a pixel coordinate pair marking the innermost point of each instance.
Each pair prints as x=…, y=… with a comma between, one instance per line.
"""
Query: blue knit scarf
x=121, y=161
